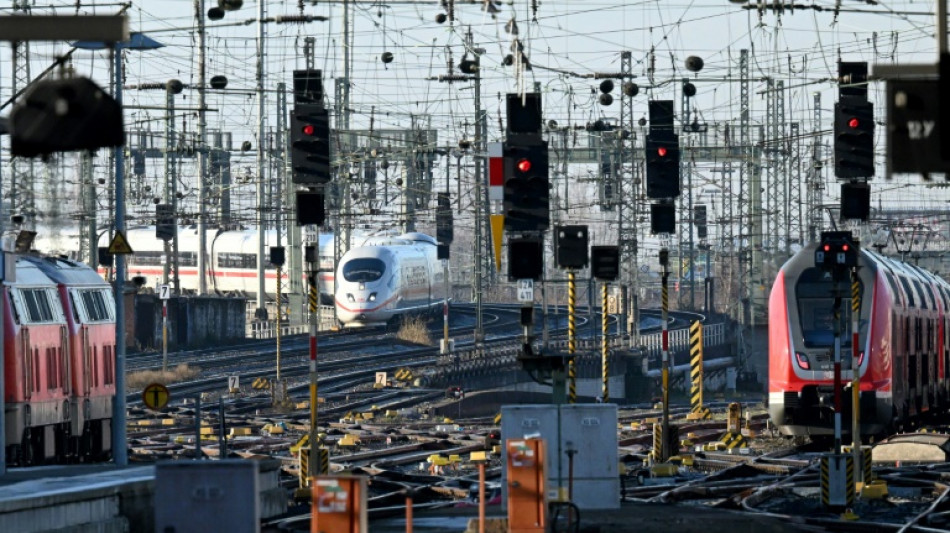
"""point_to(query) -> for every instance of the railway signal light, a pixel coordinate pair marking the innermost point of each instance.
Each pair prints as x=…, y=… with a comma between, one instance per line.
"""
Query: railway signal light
x=571, y=245
x=605, y=262
x=63, y=115
x=310, y=144
x=525, y=258
x=837, y=249
x=662, y=217
x=277, y=256
x=699, y=218
x=526, y=189
x=663, y=165
x=165, y=226
x=310, y=208
x=444, y=232
x=854, y=139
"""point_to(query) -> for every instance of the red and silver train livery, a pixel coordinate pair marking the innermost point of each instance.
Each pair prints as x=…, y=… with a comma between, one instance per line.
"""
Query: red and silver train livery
x=902, y=344
x=388, y=277
x=59, y=362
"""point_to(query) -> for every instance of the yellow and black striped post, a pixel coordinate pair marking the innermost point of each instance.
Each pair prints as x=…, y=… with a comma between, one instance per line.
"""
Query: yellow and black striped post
x=836, y=479
x=323, y=461
x=278, y=323
x=698, y=410
x=571, y=342
x=824, y=481
x=604, y=354
x=657, y=443
x=303, y=475
x=856, y=372
x=313, y=299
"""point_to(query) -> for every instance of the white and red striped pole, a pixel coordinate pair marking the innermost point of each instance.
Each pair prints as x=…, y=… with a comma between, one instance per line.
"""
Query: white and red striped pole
x=164, y=335
x=837, y=360
x=664, y=453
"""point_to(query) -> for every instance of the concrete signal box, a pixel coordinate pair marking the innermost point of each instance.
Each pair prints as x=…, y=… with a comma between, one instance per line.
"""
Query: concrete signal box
x=587, y=432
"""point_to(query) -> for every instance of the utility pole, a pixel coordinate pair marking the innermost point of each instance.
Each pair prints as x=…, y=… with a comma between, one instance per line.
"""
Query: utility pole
x=202, y=155
x=481, y=198
x=815, y=183
x=261, y=312
x=472, y=72
x=628, y=206
x=744, y=310
x=170, y=182
x=90, y=241
x=21, y=171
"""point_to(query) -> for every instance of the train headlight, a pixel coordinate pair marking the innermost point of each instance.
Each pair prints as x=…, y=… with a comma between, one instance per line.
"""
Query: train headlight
x=860, y=358
x=350, y=298
x=802, y=360
x=372, y=297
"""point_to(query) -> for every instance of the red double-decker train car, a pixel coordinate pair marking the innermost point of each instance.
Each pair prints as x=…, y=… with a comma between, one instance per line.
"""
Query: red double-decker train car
x=90, y=320
x=59, y=361
x=902, y=345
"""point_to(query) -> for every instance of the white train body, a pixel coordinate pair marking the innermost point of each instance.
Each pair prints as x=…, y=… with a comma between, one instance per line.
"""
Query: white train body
x=232, y=260
x=388, y=277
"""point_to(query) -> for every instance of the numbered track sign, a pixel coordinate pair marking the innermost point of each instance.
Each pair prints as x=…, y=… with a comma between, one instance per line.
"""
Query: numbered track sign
x=164, y=291
x=525, y=290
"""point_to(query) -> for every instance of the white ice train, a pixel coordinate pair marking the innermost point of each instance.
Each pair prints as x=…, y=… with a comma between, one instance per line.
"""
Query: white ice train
x=232, y=260
x=388, y=277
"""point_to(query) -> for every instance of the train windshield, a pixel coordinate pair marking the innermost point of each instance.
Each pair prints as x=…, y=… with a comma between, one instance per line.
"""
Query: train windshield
x=363, y=270
x=815, y=293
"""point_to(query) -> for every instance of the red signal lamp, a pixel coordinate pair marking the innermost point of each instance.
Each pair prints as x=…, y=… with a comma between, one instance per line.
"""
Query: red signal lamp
x=827, y=247
x=854, y=123
x=524, y=165
x=308, y=130
x=661, y=151
x=844, y=247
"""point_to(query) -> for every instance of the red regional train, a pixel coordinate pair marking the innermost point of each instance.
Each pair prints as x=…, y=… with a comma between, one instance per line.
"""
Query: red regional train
x=59, y=362
x=904, y=349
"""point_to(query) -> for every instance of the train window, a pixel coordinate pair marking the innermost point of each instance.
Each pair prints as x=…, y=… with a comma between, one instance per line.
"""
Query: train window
x=363, y=270
x=908, y=291
x=37, y=305
x=148, y=258
x=236, y=260
x=923, y=295
x=890, y=281
x=815, y=294
x=187, y=259
x=94, y=305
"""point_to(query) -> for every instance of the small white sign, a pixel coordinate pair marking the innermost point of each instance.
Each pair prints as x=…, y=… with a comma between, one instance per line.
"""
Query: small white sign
x=234, y=382
x=381, y=378
x=525, y=290
x=164, y=291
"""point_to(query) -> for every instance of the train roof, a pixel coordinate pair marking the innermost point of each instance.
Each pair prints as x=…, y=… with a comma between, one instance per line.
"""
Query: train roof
x=28, y=274
x=65, y=271
x=406, y=239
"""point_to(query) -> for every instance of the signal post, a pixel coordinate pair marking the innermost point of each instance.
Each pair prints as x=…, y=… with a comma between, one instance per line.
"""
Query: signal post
x=838, y=254
x=605, y=266
x=663, y=184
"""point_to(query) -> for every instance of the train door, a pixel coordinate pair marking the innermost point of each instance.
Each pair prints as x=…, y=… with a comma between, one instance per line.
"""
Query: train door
x=65, y=364
x=898, y=378
x=27, y=358
x=86, y=366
